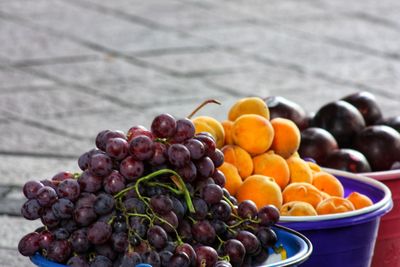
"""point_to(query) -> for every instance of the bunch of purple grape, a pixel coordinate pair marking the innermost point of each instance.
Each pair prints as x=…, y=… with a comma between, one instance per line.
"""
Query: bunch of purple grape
x=152, y=197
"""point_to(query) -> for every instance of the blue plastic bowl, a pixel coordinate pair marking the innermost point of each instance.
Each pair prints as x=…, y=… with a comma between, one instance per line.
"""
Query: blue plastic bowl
x=298, y=249
x=345, y=239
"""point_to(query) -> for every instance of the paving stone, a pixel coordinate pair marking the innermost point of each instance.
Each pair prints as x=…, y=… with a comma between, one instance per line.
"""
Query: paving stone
x=19, y=43
x=13, y=229
x=201, y=63
x=17, y=170
x=108, y=69
x=10, y=257
x=103, y=29
x=17, y=137
x=13, y=79
x=11, y=206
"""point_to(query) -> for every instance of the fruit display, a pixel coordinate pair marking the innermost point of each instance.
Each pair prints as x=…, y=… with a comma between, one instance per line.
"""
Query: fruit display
x=157, y=196
x=262, y=163
x=349, y=134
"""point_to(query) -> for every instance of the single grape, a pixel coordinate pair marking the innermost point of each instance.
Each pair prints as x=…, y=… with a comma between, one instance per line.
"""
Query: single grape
x=221, y=211
x=179, y=259
x=203, y=232
x=141, y=148
x=171, y=222
x=79, y=241
x=138, y=130
x=161, y=204
x=119, y=226
x=131, y=169
x=50, y=183
x=219, y=226
x=46, y=196
x=114, y=182
x=59, y=251
x=103, y=137
x=61, y=234
x=247, y=209
x=104, y=204
x=31, y=209
x=31, y=188
x=70, y=225
x=46, y=238
x=212, y=194
x=184, y=130
x=188, y=172
x=160, y=154
x=205, y=167
x=188, y=250
x=61, y=176
x=165, y=257
x=178, y=155
x=217, y=157
x=208, y=142
x=100, y=164
x=119, y=242
x=223, y=263
x=89, y=182
x=138, y=225
x=117, y=148
x=157, y=237
x=48, y=218
x=206, y=256
x=185, y=231
x=101, y=261
x=178, y=208
x=219, y=178
x=249, y=241
x=29, y=244
x=196, y=148
x=77, y=261
x=130, y=259
x=69, y=189
x=84, y=216
x=134, y=205
x=99, y=233
x=134, y=240
x=63, y=208
x=106, y=250
x=163, y=126
x=267, y=237
x=268, y=215
x=86, y=200
x=201, y=209
x=83, y=161
x=235, y=250
x=260, y=258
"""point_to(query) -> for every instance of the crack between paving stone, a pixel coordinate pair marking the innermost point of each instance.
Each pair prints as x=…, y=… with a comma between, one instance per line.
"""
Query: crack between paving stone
x=53, y=61
x=37, y=154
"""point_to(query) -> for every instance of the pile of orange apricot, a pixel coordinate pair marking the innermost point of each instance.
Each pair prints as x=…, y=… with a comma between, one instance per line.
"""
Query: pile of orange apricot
x=262, y=163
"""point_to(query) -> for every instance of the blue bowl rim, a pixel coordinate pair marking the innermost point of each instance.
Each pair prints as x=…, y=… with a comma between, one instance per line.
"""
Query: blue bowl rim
x=302, y=255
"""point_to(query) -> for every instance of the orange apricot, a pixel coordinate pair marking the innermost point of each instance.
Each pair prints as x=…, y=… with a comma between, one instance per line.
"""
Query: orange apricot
x=228, y=131
x=302, y=192
x=287, y=137
x=262, y=190
x=333, y=205
x=298, y=208
x=211, y=125
x=253, y=133
x=300, y=171
x=272, y=165
x=359, y=200
x=240, y=158
x=328, y=183
x=248, y=105
x=232, y=177
x=314, y=167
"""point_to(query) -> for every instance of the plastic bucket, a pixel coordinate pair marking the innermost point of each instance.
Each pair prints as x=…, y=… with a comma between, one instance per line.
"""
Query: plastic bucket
x=345, y=239
x=298, y=249
x=387, y=247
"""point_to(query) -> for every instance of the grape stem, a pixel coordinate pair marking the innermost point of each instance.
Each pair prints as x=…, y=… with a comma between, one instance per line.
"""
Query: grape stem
x=230, y=204
x=173, y=190
x=202, y=105
x=139, y=215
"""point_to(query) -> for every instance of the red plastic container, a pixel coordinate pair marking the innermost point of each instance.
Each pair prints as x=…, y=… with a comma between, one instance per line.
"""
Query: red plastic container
x=387, y=246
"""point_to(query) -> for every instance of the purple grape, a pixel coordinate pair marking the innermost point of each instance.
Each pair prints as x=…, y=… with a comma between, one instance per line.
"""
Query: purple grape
x=157, y=237
x=131, y=169
x=29, y=244
x=206, y=256
x=89, y=182
x=219, y=226
x=179, y=259
x=235, y=250
x=84, y=216
x=138, y=130
x=117, y=148
x=63, y=208
x=138, y=225
x=201, y=209
x=163, y=126
x=61, y=176
x=222, y=210
x=212, y=194
x=172, y=220
x=70, y=225
x=59, y=251
x=101, y=261
x=106, y=250
x=119, y=242
x=31, y=188
x=99, y=233
x=86, y=200
x=31, y=209
x=48, y=218
x=141, y=148
x=77, y=261
x=188, y=250
x=46, y=238
x=203, y=232
x=69, y=189
x=184, y=130
x=104, y=204
x=208, y=142
x=178, y=155
x=165, y=257
x=103, y=137
x=160, y=154
x=268, y=215
x=249, y=241
x=161, y=204
x=83, y=161
x=188, y=172
x=247, y=209
x=205, y=167
x=134, y=205
x=185, y=231
x=114, y=182
x=61, y=234
x=152, y=258
x=79, y=241
x=130, y=259
x=196, y=148
x=219, y=178
x=46, y=196
x=217, y=157
x=100, y=164
x=267, y=237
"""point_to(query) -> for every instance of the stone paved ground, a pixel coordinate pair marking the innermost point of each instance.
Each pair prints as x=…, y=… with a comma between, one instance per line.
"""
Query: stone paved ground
x=70, y=68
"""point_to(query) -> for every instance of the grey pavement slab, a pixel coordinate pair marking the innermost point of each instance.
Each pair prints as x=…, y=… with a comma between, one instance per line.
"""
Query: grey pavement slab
x=17, y=170
x=19, y=43
x=12, y=258
x=12, y=79
x=13, y=229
